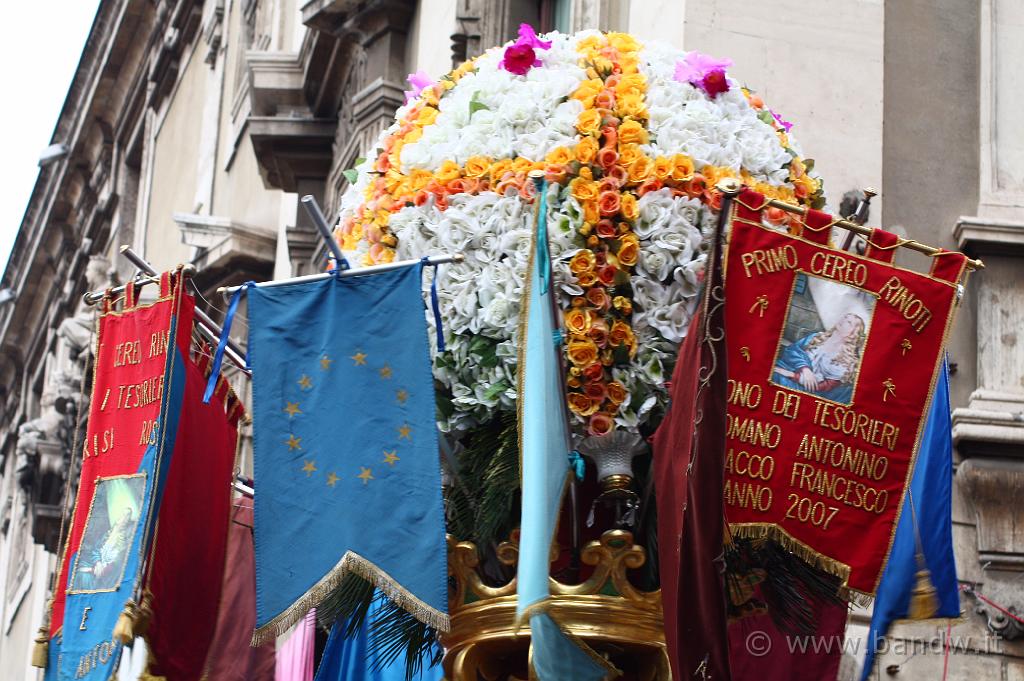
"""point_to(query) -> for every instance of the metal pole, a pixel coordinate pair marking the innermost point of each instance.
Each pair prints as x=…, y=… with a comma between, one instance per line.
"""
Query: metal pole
x=207, y=326
x=317, y=216
x=374, y=269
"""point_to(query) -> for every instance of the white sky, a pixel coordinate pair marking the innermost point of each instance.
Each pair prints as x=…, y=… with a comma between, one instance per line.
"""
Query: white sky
x=40, y=43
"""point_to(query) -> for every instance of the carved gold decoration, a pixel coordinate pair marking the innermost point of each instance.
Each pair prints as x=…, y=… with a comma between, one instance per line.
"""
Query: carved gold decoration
x=606, y=611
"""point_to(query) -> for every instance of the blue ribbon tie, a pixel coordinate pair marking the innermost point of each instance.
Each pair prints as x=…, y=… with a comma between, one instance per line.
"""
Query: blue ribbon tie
x=218, y=357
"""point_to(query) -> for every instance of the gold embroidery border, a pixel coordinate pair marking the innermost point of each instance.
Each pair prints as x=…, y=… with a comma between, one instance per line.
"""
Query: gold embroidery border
x=782, y=332
x=88, y=517
x=940, y=355
x=368, y=570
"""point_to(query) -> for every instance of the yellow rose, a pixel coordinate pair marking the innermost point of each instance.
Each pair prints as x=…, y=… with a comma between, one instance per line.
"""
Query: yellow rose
x=587, y=90
x=589, y=122
x=641, y=169
x=633, y=84
x=628, y=153
x=559, y=156
x=586, y=279
x=631, y=132
x=591, y=211
x=427, y=116
x=623, y=42
x=448, y=171
x=583, y=352
x=583, y=261
x=522, y=165
x=586, y=150
x=591, y=42
x=602, y=64
x=477, y=166
x=629, y=250
x=620, y=333
x=413, y=135
x=419, y=179
x=663, y=167
x=623, y=304
x=631, y=105
x=577, y=321
x=616, y=392
x=581, y=404
x=499, y=168
x=628, y=207
x=682, y=167
x=583, y=190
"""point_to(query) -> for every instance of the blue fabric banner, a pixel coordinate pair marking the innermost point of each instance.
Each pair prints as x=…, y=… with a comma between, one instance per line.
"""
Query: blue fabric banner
x=931, y=489
x=351, y=659
x=544, y=453
x=345, y=446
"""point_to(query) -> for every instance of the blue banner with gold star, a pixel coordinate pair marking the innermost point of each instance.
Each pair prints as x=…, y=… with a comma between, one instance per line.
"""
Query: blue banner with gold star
x=345, y=446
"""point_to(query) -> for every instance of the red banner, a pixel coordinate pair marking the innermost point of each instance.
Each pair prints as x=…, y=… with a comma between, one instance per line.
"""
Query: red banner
x=832, y=361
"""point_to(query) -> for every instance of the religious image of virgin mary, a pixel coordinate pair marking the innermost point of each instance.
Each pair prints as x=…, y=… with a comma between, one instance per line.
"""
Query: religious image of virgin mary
x=102, y=558
x=824, y=363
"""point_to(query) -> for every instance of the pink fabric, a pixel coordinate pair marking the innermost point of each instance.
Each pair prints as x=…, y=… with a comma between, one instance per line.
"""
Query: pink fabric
x=295, y=656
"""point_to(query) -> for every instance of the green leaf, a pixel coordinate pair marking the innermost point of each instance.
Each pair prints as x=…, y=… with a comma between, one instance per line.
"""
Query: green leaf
x=496, y=389
x=351, y=175
x=765, y=116
x=479, y=345
x=359, y=161
x=476, y=105
x=809, y=164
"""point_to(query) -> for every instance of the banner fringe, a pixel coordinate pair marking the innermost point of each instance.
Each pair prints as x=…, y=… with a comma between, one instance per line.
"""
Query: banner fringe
x=803, y=551
x=356, y=564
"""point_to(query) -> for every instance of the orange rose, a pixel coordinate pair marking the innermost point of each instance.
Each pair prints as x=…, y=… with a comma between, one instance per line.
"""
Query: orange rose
x=682, y=167
x=651, y=185
x=607, y=157
x=616, y=392
x=608, y=184
x=697, y=185
x=606, y=274
x=477, y=166
x=629, y=208
x=600, y=424
x=609, y=202
x=596, y=392
x=594, y=372
x=581, y=404
x=641, y=169
x=605, y=229
x=582, y=352
x=620, y=333
x=631, y=132
x=598, y=298
x=605, y=99
x=586, y=150
x=582, y=262
x=755, y=101
x=556, y=172
x=577, y=321
x=583, y=190
x=589, y=122
x=574, y=383
x=617, y=172
x=599, y=334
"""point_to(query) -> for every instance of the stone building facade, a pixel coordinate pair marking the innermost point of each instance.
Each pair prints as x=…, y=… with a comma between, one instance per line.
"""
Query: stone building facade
x=192, y=127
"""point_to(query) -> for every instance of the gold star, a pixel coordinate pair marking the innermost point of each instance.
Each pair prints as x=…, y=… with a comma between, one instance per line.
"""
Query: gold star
x=402, y=396
x=305, y=382
x=293, y=442
x=359, y=358
x=404, y=432
x=309, y=467
x=332, y=479
x=390, y=457
x=292, y=409
x=385, y=371
x=366, y=476
x=325, y=362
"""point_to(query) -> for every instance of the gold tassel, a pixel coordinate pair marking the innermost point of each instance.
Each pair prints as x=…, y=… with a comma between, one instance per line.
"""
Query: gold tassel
x=143, y=614
x=41, y=649
x=924, y=602
x=124, y=630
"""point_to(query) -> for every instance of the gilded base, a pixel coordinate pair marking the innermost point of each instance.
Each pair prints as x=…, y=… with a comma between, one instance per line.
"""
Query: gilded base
x=606, y=611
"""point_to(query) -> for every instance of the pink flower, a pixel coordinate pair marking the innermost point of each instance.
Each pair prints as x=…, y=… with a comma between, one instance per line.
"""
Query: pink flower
x=519, y=59
x=784, y=124
x=520, y=56
x=529, y=37
x=420, y=81
x=704, y=72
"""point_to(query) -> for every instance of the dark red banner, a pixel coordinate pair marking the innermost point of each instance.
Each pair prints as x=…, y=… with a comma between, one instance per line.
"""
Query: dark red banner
x=832, y=359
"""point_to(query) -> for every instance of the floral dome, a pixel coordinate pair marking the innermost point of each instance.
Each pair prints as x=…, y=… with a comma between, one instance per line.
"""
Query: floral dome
x=631, y=136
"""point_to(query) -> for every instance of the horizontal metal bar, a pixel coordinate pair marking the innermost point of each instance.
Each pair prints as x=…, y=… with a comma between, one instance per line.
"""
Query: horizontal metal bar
x=93, y=297
x=373, y=269
x=207, y=326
